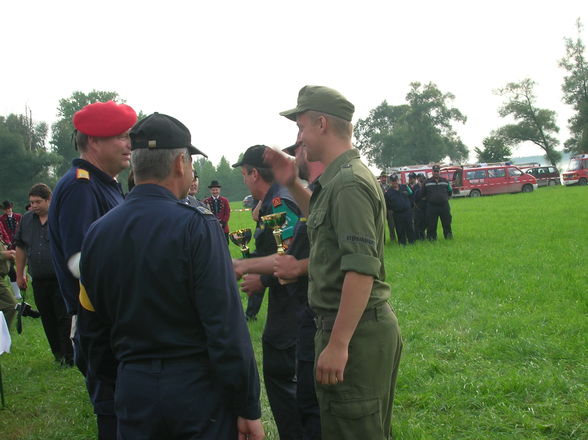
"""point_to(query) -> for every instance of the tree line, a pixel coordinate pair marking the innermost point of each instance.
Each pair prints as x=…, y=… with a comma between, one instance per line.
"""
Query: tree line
x=26, y=158
x=421, y=130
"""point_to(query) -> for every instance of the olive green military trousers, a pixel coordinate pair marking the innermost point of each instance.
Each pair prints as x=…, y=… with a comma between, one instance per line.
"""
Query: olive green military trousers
x=360, y=407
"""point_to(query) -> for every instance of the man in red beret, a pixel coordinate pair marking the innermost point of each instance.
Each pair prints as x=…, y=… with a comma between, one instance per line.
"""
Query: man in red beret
x=86, y=192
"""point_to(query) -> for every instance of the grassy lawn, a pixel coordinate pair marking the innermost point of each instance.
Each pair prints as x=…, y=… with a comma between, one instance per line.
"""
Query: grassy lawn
x=495, y=327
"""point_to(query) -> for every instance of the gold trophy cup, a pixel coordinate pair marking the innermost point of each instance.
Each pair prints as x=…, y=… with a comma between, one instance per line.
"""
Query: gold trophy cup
x=241, y=238
x=276, y=221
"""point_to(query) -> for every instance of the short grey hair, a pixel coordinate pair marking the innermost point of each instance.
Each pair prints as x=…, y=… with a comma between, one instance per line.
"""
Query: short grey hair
x=154, y=164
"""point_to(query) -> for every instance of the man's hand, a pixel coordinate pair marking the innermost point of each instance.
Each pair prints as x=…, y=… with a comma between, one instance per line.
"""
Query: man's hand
x=286, y=267
x=238, y=267
x=9, y=255
x=283, y=167
x=251, y=283
x=331, y=364
x=21, y=281
x=250, y=429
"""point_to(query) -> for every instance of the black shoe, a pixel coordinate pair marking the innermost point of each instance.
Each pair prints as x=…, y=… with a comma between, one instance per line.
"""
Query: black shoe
x=27, y=310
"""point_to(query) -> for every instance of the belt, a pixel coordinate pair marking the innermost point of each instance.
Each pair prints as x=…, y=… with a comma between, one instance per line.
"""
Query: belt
x=158, y=363
x=326, y=322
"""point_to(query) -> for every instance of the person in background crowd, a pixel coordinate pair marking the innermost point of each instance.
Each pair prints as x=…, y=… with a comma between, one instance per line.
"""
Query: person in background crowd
x=32, y=250
x=384, y=184
x=27, y=207
x=437, y=191
x=194, y=187
x=219, y=206
x=358, y=341
x=10, y=220
x=399, y=200
x=188, y=371
x=281, y=328
x=86, y=192
x=420, y=206
x=7, y=300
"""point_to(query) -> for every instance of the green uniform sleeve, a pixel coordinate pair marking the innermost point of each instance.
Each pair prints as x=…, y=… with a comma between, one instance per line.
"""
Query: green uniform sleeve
x=354, y=222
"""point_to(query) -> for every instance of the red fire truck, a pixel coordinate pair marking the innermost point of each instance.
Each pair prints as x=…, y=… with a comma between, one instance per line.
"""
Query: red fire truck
x=577, y=172
x=474, y=181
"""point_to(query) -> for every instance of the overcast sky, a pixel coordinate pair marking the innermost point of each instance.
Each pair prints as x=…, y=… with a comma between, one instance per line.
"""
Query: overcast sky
x=226, y=69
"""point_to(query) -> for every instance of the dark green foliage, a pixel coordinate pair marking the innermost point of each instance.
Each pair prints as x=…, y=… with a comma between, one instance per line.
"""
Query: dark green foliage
x=575, y=90
x=532, y=124
x=496, y=149
x=230, y=178
x=420, y=131
x=23, y=158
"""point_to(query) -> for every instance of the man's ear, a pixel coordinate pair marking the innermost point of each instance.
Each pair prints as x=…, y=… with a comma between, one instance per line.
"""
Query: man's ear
x=179, y=165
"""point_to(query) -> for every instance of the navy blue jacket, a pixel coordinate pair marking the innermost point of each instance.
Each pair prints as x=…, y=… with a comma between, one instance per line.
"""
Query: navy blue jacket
x=399, y=200
x=82, y=195
x=160, y=280
x=284, y=306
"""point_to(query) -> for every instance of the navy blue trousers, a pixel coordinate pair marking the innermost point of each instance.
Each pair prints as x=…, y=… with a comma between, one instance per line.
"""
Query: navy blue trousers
x=172, y=400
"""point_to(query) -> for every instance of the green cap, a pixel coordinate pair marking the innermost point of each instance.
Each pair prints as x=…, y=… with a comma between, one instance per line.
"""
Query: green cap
x=321, y=99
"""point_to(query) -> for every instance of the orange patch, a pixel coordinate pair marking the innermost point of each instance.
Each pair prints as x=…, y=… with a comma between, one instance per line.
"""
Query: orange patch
x=82, y=174
x=277, y=201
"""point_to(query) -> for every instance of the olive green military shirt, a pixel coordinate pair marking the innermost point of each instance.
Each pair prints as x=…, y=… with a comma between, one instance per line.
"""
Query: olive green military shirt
x=346, y=231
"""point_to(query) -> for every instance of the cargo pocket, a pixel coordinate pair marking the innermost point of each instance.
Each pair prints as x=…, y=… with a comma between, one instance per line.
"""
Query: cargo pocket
x=355, y=409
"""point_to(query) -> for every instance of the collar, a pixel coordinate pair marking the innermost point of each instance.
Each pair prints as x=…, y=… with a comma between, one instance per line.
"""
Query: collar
x=332, y=170
x=151, y=190
x=94, y=171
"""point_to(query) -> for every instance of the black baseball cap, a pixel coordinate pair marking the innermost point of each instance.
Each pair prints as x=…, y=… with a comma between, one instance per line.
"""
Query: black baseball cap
x=412, y=175
x=162, y=132
x=253, y=156
x=291, y=150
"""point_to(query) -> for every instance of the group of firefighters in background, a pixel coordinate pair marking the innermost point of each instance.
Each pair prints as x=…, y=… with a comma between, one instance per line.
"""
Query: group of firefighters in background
x=414, y=209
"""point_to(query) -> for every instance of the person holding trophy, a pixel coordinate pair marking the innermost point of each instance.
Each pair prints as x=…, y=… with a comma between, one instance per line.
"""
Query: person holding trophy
x=280, y=333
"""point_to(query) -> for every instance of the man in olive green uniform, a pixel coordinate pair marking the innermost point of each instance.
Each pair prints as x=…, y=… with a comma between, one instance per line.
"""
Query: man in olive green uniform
x=358, y=341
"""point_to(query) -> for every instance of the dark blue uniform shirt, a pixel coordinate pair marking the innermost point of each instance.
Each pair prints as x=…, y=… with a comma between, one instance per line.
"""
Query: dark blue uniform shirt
x=398, y=200
x=81, y=196
x=160, y=279
x=284, y=306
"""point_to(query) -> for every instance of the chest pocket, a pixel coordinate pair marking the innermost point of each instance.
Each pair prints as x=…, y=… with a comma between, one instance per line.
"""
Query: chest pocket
x=316, y=219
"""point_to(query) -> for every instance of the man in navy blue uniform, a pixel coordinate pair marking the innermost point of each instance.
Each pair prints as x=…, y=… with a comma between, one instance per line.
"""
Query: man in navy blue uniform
x=85, y=193
x=169, y=306
x=437, y=191
x=284, y=308
x=399, y=200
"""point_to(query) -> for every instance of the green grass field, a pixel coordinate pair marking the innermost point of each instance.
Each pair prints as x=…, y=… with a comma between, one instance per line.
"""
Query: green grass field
x=495, y=327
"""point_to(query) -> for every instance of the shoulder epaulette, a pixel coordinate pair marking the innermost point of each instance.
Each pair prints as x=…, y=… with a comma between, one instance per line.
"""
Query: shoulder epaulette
x=82, y=174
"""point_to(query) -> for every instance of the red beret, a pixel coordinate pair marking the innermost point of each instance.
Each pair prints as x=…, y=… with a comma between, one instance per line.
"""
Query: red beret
x=104, y=119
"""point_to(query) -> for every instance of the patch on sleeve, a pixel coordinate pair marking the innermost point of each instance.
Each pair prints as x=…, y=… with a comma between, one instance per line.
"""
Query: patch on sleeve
x=82, y=174
x=85, y=299
x=360, y=239
x=276, y=201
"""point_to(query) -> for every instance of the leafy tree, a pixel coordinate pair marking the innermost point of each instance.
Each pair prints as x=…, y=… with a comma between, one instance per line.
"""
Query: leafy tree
x=63, y=129
x=496, y=149
x=21, y=167
x=420, y=131
x=532, y=124
x=575, y=91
